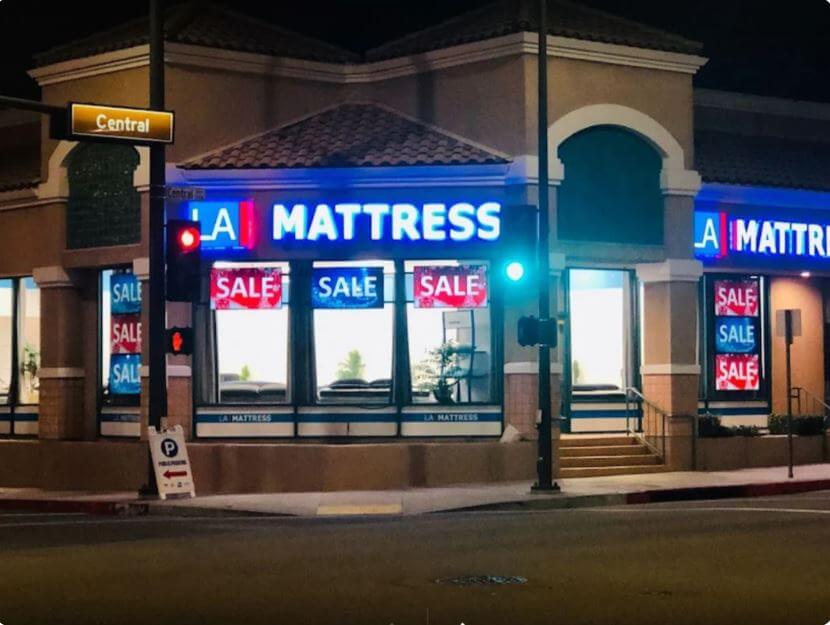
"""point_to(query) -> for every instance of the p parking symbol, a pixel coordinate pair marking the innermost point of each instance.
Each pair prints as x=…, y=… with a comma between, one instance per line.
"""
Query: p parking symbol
x=169, y=448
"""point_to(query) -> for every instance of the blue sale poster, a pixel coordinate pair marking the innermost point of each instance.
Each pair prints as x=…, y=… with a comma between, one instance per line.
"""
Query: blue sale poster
x=735, y=335
x=347, y=287
x=125, y=294
x=125, y=374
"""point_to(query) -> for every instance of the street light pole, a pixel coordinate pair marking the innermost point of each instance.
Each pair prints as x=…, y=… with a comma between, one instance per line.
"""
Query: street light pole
x=157, y=361
x=544, y=463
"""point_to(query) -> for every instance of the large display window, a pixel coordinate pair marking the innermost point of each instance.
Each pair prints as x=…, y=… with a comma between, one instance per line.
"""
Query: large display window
x=6, y=340
x=449, y=331
x=249, y=329
x=736, y=313
x=353, y=323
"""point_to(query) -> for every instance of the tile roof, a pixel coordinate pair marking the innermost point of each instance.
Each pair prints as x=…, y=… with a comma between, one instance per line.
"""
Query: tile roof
x=354, y=134
x=565, y=19
x=762, y=160
x=204, y=24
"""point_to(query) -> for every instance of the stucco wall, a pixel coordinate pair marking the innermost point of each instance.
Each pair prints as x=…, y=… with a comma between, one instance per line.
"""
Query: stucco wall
x=808, y=349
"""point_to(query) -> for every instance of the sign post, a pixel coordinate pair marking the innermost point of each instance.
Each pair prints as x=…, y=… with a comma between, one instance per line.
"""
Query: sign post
x=788, y=322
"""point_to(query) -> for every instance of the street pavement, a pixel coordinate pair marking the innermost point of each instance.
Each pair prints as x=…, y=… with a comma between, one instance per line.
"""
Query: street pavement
x=760, y=560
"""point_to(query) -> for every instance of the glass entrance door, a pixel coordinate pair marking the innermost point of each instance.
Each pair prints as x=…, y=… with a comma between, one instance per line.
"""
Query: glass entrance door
x=602, y=340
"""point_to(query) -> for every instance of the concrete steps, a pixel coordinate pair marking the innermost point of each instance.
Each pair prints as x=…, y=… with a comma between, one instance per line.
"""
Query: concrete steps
x=598, y=455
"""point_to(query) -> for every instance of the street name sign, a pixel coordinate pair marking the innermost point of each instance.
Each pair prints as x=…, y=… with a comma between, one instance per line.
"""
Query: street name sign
x=118, y=123
x=170, y=462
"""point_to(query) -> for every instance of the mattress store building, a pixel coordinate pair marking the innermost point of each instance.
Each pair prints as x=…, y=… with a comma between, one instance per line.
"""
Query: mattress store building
x=368, y=239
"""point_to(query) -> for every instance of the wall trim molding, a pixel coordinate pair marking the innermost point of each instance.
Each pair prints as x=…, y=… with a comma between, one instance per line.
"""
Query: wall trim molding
x=530, y=368
x=178, y=371
x=670, y=270
x=141, y=268
x=52, y=277
x=365, y=72
x=61, y=373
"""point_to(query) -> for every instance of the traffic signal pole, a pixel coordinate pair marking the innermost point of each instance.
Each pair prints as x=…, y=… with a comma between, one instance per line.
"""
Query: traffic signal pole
x=156, y=317
x=544, y=462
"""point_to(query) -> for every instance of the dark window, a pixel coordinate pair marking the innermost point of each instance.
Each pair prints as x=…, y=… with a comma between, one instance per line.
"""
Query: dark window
x=104, y=207
x=611, y=191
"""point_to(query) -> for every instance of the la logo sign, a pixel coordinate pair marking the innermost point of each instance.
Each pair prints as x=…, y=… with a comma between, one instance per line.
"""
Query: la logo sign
x=225, y=225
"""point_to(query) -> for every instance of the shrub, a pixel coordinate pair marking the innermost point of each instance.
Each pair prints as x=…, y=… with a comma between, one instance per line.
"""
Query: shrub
x=745, y=430
x=805, y=425
x=709, y=426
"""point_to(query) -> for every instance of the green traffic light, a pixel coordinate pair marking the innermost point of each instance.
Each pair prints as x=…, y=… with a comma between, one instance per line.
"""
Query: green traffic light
x=515, y=271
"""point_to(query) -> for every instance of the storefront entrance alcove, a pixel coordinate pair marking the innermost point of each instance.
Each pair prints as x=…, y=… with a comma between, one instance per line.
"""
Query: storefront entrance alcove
x=600, y=348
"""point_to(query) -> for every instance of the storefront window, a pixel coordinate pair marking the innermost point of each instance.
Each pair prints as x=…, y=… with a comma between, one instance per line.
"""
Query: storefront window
x=598, y=330
x=28, y=357
x=250, y=303
x=450, y=340
x=6, y=325
x=353, y=331
x=120, y=338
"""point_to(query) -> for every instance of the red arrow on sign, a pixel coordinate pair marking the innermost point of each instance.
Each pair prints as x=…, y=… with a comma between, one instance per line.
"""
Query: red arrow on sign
x=168, y=474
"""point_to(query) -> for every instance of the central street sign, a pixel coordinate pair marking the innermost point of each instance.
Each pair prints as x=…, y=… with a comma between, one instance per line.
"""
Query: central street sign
x=118, y=123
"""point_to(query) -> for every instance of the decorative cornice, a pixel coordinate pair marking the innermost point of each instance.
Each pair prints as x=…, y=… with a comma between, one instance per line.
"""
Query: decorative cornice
x=356, y=73
x=670, y=270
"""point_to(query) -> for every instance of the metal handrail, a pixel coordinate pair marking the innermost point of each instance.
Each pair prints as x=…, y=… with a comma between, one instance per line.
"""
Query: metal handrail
x=798, y=391
x=635, y=395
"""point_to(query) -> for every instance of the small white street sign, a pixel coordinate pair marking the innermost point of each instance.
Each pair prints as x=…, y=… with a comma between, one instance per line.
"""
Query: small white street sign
x=170, y=462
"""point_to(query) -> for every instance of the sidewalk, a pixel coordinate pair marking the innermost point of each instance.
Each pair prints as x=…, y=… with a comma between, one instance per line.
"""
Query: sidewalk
x=577, y=492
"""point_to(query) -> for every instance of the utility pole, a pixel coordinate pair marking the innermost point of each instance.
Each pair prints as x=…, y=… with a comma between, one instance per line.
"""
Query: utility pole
x=544, y=463
x=156, y=316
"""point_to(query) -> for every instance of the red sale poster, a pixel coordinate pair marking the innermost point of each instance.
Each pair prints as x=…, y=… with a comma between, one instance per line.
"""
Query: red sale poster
x=737, y=372
x=736, y=298
x=245, y=288
x=451, y=287
x=125, y=334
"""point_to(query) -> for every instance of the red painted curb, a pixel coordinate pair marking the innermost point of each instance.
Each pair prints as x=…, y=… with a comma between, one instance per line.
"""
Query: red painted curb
x=729, y=491
x=101, y=508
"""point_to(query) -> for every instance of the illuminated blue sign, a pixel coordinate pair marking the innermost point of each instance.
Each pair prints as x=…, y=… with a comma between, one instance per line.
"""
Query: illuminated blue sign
x=347, y=287
x=428, y=222
x=125, y=294
x=125, y=374
x=225, y=225
x=735, y=335
x=718, y=235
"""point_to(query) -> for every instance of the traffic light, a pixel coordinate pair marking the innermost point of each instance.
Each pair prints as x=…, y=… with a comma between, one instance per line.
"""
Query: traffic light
x=533, y=331
x=184, y=242
x=180, y=341
x=515, y=270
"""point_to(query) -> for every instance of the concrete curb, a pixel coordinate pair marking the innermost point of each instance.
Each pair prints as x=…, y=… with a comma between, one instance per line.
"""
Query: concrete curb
x=729, y=491
x=543, y=502
x=99, y=508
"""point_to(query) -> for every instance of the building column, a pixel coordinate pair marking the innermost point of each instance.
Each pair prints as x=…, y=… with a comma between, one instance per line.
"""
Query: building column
x=670, y=370
x=62, y=374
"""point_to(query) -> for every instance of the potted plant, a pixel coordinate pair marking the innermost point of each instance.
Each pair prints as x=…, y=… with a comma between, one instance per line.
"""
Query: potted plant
x=438, y=373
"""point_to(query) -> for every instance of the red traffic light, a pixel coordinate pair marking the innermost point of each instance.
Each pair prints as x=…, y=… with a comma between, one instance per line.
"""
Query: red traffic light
x=189, y=239
x=180, y=341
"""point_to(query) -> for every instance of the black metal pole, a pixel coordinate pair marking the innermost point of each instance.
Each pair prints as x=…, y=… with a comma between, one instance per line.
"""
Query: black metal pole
x=544, y=463
x=788, y=339
x=157, y=361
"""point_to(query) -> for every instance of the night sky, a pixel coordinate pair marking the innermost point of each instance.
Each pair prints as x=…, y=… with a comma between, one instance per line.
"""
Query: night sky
x=755, y=46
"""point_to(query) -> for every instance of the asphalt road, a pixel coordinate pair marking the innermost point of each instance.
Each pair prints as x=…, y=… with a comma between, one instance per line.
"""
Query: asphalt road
x=749, y=561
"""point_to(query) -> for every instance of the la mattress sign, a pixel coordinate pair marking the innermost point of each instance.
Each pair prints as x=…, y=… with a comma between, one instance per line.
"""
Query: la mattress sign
x=718, y=235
